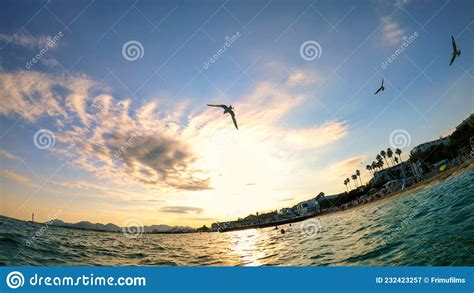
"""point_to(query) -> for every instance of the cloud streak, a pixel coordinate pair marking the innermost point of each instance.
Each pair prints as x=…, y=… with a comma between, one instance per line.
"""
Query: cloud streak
x=26, y=40
x=392, y=30
x=181, y=210
x=8, y=155
x=12, y=176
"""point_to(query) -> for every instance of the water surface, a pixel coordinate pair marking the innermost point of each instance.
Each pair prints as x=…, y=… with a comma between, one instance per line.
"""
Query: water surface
x=432, y=226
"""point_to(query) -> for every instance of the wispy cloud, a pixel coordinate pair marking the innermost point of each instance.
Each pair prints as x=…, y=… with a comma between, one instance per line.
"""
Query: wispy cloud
x=181, y=210
x=287, y=199
x=300, y=77
x=392, y=30
x=402, y=3
x=27, y=41
x=8, y=155
x=347, y=167
x=12, y=176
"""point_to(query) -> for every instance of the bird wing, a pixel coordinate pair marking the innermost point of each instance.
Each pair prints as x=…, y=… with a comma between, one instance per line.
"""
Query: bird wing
x=455, y=49
x=380, y=88
x=452, y=59
x=382, y=83
x=232, y=114
x=214, y=105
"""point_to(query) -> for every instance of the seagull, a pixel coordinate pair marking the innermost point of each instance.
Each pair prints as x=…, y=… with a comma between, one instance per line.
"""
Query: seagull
x=227, y=109
x=456, y=52
x=381, y=88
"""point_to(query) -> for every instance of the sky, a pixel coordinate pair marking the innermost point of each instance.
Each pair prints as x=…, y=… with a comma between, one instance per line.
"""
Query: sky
x=103, y=112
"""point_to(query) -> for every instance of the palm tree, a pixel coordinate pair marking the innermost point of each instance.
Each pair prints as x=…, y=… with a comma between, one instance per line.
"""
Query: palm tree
x=399, y=152
x=349, y=181
x=358, y=175
x=384, y=155
x=354, y=177
x=396, y=160
x=390, y=155
x=380, y=164
x=380, y=161
x=345, y=183
x=374, y=166
x=369, y=168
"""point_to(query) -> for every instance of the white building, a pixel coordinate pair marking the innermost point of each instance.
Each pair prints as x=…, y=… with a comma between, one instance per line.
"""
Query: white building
x=424, y=146
x=307, y=207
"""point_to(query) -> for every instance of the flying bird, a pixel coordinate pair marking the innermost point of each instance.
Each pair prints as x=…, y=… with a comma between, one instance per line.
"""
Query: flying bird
x=456, y=52
x=227, y=109
x=381, y=88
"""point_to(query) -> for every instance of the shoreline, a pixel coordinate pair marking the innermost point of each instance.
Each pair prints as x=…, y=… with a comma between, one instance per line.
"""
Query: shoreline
x=440, y=177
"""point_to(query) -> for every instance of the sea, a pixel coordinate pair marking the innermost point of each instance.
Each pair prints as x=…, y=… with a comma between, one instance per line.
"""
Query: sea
x=433, y=226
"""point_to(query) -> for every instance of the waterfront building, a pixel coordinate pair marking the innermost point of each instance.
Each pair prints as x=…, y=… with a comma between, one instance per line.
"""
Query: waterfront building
x=425, y=146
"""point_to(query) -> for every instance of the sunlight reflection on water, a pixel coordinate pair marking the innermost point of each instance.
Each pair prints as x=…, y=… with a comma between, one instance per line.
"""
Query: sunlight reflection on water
x=432, y=226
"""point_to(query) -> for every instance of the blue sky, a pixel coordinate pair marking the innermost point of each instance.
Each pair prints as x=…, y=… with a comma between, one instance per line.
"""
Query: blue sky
x=304, y=125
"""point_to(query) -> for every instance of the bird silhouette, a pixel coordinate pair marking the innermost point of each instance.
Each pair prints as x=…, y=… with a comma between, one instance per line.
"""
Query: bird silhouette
x=227, y=109
x=381, y=88
x=455, y=53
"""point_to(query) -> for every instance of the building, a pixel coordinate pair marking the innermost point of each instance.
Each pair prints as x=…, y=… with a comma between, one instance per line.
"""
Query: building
x=307, y=207
x=391, y=173
x=425, y=146
x=417, y=170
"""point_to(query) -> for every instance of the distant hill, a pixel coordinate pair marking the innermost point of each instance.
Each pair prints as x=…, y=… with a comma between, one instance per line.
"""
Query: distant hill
x=86, y=225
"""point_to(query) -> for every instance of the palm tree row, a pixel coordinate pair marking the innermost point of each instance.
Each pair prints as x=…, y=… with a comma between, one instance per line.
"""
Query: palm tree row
x=353, y=177
x=377, y=165
x=381, y=159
